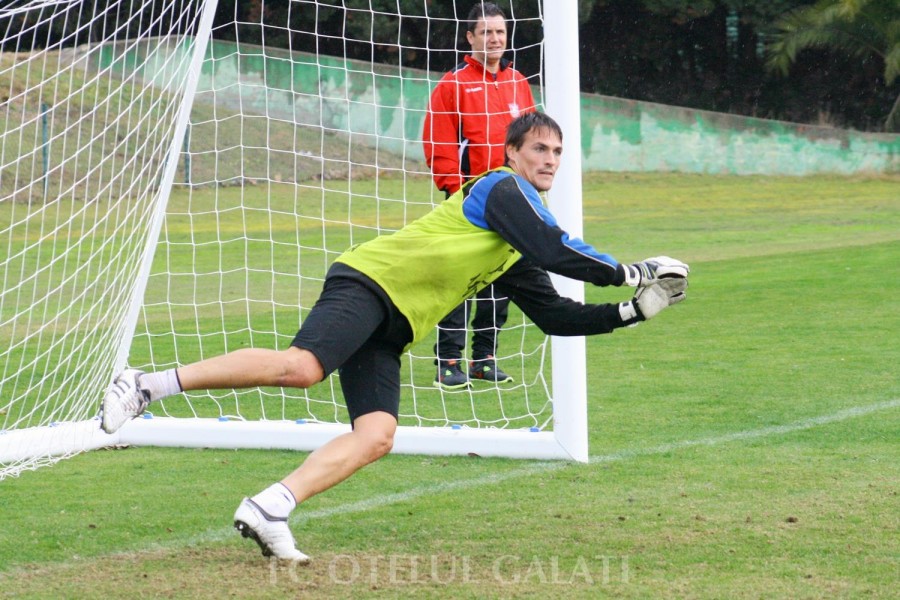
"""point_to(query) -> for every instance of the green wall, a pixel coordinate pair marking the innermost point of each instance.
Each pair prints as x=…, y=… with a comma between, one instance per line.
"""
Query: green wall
x=385, y=105
x=625, y=135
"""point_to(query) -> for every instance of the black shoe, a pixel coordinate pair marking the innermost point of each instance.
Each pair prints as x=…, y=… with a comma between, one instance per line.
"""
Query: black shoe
x=487, y=370
x=450, y=376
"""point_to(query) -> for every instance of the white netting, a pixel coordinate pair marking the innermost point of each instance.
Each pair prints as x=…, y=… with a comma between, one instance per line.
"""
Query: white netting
x=304, y=137
x=84, y=138
x=292, y=157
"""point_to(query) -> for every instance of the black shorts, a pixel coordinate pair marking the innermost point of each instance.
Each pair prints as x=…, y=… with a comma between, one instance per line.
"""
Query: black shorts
x=354, y=328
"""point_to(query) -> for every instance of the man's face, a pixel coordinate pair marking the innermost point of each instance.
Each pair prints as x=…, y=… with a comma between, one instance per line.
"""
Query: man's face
x=538, y=158
x=488, y=40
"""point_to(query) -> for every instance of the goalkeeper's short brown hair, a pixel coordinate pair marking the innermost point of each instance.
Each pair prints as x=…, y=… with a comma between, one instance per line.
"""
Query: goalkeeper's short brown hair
x=519, y=128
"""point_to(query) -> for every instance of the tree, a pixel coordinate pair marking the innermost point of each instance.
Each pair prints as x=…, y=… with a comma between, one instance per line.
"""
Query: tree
x=860, y=28
x=700, y=54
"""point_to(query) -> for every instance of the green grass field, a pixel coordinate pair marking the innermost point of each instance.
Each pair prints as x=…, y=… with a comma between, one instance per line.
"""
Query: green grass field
x=744, y=444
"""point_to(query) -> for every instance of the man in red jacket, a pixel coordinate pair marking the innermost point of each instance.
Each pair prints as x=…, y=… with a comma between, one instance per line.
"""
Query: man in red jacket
x=464, y=134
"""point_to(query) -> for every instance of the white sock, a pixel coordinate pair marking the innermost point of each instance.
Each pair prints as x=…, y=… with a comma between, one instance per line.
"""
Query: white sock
x=161, y=384
x=276, y=500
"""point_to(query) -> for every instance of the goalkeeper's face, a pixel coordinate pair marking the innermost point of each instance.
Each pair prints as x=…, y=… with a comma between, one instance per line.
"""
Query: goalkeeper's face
x=537, y=159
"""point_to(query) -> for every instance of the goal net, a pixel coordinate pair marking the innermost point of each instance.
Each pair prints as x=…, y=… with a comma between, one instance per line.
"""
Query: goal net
x=175, y=181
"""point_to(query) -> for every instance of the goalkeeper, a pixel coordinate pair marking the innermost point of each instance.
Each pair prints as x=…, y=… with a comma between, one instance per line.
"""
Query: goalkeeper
x=382, y=296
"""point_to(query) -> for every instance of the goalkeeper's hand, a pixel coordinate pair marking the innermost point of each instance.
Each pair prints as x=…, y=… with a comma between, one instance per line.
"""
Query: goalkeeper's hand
x=649, y=271
x=650, y=300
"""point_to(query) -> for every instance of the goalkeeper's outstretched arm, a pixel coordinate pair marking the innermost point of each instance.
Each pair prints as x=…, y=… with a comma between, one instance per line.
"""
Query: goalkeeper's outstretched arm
x=516, y=213
x=529, y=286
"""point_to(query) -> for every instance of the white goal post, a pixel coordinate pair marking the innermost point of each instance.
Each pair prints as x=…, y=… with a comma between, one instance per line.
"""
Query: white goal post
x=173, y=185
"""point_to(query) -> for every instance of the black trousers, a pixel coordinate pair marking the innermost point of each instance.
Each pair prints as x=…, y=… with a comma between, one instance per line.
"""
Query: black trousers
x=490, y=314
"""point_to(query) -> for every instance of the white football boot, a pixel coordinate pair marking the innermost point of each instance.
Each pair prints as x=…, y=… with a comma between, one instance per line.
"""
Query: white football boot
x=271, y=533
x=123, y=401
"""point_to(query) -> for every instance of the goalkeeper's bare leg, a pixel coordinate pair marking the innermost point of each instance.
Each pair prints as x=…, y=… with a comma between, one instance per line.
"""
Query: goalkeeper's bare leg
x=132, y=391
x=264, y=516
x=251, y=367
x=372, y=437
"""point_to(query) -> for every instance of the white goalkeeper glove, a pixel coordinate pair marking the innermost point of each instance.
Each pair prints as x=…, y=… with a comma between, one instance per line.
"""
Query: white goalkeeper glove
x=650, y=300
x=649, y=271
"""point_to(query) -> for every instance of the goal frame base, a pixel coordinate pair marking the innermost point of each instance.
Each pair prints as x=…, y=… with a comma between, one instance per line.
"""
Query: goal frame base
x=307, y=436
x=54, y=440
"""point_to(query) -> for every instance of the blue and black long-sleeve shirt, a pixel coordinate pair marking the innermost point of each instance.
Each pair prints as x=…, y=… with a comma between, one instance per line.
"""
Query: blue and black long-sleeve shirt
x=497, y=230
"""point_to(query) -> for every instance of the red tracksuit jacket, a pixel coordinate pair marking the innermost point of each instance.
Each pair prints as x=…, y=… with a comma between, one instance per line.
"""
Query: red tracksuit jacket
x=466, y=121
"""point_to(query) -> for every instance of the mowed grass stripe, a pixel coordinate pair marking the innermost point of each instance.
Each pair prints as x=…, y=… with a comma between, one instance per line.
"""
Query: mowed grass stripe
x=301, y=517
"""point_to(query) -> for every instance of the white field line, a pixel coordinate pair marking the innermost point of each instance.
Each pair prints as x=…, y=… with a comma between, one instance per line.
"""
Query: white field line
x=301, y=516
x=531, y=469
